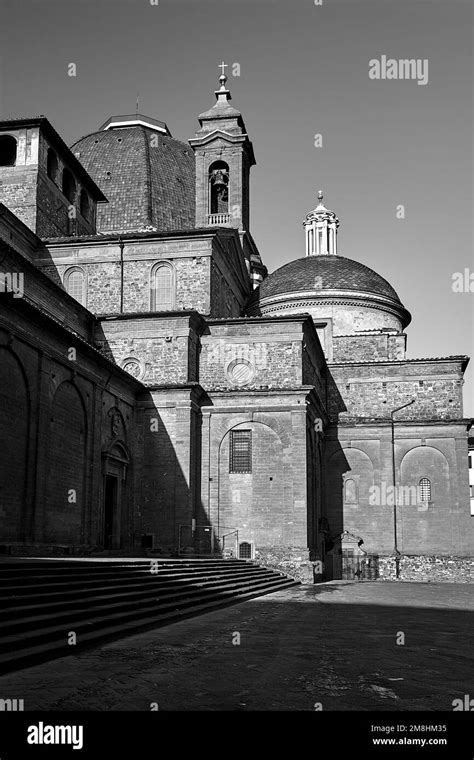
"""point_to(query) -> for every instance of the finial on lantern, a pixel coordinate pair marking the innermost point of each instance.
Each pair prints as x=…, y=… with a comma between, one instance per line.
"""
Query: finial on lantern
x=223, y=76
x=320, y=195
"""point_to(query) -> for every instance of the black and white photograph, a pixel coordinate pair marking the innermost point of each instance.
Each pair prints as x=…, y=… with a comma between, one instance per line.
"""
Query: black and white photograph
x=236, y=374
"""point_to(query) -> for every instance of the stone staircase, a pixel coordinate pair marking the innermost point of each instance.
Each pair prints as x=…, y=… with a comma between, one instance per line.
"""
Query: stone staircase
x=42, y=601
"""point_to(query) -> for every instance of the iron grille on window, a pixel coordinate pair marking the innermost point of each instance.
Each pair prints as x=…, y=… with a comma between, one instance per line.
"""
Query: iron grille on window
x=424, y=488
x=240, y=451
x=245, y=550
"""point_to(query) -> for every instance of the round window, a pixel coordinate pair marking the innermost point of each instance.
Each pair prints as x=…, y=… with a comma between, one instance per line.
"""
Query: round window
x=240, y=372
x=134, y=367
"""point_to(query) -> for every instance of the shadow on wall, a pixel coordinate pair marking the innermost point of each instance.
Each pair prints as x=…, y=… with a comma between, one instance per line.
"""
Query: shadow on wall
x=164, y=489
x=335, y=467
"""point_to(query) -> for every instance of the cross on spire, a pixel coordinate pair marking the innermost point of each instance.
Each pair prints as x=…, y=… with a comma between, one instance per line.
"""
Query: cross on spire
x=223, y=66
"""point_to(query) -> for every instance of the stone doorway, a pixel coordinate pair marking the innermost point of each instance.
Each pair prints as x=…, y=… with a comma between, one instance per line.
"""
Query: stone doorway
x=114, y=472
x=110, y=512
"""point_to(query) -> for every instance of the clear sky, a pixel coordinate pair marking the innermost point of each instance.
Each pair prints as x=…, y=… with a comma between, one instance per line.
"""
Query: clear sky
x=303, y=71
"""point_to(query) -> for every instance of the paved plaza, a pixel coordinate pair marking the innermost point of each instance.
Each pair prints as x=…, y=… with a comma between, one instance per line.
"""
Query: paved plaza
x=334, y=646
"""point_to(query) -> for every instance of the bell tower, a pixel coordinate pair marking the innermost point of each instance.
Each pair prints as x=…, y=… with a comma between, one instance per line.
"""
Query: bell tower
x=224, y=156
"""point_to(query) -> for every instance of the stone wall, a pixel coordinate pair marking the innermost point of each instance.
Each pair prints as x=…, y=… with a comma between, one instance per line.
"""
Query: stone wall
x=208, y=272
x=35, y=198
x=428, y=569
x=274, y=504
x=359, y=487
x=158, y=351
x=373, y=390
x=346, y=318
x=290, y=560
x=273, y=349
x=368, y=347
x=167, y=444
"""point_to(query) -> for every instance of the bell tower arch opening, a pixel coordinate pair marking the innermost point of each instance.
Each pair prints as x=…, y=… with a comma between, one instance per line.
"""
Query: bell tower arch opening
x=218, y=188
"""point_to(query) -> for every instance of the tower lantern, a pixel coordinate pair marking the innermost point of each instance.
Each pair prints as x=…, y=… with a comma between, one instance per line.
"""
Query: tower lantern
x=321, y=230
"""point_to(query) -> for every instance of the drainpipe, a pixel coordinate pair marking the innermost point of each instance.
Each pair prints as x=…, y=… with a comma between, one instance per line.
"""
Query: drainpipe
x=395, y=547
x=120, y=242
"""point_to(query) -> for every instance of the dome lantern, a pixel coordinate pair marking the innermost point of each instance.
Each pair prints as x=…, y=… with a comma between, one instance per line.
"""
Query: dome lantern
x=321, y=230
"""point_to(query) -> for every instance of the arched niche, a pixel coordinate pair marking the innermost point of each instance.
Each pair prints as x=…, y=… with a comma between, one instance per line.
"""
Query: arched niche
x=67, y=467
x=14, y=430
x=350, y=475
x=426, y=462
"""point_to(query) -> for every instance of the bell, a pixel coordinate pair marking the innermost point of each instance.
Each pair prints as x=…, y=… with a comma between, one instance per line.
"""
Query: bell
x=219, y=178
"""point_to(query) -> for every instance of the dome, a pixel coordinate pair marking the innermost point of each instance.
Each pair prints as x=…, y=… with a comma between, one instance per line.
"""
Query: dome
x=322, y=278
x=147, y=176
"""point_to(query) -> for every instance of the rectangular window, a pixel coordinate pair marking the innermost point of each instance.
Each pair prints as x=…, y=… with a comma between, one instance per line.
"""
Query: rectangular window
x=240, y=459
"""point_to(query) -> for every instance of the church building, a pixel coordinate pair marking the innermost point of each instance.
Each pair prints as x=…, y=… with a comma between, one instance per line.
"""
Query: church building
x=161, y=394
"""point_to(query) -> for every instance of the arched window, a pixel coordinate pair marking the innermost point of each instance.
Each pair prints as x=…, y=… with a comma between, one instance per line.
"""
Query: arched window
x=162, y=288
x=75, y=284
x=69, y=186
x=7, y=150
x=350, y=491
x=84, y=205
x=52, y=165
x=219, y=188
x=424, y=490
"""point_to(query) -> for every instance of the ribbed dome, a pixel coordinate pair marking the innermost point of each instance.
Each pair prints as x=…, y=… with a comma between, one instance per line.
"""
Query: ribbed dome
x=333, y=273
x=148, y=178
